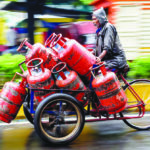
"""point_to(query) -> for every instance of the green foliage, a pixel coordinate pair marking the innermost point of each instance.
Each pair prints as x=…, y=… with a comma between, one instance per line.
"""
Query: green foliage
x=86, y=2
x=12, y=0
x=9, y=66
x=140, y=67
x=73, y=2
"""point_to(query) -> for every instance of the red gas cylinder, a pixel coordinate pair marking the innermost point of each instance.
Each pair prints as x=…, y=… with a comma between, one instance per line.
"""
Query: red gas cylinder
x=39, y=51
x=109, y=92
x=71, y=81
x=39, y=78
x=11, y=99
x=74, y=54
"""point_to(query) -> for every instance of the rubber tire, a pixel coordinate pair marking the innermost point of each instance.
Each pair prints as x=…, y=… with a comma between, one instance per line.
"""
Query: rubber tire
x=129, y=122
x=28, y=115
x=40, y=130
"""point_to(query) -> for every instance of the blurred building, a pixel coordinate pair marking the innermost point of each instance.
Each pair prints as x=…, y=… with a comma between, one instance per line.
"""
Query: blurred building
x=132, y=20
x=3, y=39
x=44, y=26
x=81, y=31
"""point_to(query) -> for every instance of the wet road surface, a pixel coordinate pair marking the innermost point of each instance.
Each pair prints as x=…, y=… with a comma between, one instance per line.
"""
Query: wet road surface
x=106, y=135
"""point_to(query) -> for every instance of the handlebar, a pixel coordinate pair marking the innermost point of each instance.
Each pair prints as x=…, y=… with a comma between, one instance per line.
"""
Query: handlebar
x=24, y=42
x=50, y=39
x=55, y=40
x=59, y=67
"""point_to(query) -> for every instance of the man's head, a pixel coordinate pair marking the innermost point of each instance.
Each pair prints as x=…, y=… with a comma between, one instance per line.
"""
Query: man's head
x=99, y=17
x=95, y=21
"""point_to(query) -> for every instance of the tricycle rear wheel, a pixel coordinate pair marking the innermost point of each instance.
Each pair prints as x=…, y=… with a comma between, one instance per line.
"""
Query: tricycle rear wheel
x=142, y=88
x=26, y=110
x=28, y=116
x=59, y=119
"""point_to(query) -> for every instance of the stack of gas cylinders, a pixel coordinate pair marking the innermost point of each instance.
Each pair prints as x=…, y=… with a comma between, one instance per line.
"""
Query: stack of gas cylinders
x=61, y=64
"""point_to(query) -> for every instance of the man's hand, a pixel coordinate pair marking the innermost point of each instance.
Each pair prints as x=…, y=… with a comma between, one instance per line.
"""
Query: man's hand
x=98, y=60
x=102, y=55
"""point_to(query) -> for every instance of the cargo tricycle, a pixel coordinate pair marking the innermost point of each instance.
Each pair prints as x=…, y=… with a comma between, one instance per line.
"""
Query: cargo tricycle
x=59, y=118
x=64, y=87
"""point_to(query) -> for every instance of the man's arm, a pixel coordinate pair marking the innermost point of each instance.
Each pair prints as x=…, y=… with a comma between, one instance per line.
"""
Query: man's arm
x=101, y=56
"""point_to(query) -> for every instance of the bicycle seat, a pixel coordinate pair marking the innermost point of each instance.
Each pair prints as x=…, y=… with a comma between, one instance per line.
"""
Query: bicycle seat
x=122, y=71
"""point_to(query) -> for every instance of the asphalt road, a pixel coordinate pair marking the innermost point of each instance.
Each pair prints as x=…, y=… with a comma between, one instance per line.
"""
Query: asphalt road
x=106, y=135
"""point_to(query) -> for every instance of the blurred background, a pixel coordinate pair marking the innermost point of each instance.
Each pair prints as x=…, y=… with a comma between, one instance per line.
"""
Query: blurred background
x=37, y=19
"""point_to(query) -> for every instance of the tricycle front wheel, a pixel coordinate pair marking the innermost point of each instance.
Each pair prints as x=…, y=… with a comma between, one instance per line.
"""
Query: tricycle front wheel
x=59, y=119
x=142, y=88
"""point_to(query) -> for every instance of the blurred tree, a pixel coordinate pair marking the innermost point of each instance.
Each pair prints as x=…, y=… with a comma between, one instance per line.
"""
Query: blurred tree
x=71, y=2
x=9, y=66
x=86, y=2
x=139, y=67
x=12, y=0
x=62, y=1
